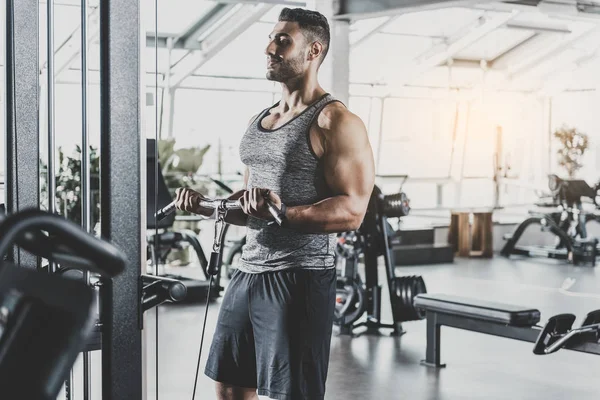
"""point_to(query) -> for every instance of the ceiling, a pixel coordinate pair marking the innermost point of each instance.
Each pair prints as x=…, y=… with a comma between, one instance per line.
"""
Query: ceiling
x=496, y=45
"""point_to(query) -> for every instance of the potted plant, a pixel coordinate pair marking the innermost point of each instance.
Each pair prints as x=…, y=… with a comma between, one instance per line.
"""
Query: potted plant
x=68, y=185
x=180, y=167
x=573, y=143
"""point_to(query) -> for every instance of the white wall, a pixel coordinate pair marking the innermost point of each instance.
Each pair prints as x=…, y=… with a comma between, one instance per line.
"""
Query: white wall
x=417, y=140
x=204, y=117
x=417, y=135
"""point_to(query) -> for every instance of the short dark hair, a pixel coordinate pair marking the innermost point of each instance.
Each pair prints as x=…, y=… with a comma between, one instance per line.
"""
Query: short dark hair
x=313, y=24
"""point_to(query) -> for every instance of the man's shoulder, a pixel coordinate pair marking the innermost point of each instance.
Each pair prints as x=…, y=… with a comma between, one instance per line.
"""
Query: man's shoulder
x=335, y=116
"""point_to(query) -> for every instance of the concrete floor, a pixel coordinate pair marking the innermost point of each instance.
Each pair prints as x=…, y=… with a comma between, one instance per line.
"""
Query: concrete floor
x=368, y=367
x=478, y=366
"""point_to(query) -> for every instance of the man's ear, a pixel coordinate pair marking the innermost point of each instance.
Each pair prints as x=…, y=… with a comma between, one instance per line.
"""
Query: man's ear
x=316, y=49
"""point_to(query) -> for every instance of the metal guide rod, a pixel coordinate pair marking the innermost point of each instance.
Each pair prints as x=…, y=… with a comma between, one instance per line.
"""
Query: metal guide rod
x=85, y=174
x=156, y=237
x=51, y=110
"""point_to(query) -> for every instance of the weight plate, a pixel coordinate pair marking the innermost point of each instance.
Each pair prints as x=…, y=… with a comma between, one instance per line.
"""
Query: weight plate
x=351, y=302
x=405, y=289
x=396, y=205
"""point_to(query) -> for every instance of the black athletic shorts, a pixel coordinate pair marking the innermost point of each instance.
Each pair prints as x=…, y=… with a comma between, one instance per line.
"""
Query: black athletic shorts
x=274, y=333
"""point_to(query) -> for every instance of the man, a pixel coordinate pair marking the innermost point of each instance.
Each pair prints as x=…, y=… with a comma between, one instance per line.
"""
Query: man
x=312, y=159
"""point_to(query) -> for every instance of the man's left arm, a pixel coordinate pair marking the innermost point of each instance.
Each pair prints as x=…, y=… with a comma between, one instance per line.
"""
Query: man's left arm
x=350, y=175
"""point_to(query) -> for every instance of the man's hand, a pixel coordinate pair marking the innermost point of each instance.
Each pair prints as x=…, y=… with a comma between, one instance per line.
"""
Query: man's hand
x=254, y=204
x=189, y=200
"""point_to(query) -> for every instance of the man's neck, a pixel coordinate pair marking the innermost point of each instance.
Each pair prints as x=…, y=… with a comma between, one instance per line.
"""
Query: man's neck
x=299, y=93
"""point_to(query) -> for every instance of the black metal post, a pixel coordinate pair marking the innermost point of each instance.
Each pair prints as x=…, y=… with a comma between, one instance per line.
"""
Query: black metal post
x=121, y=183
x=432, y=353
x=373, y=289
x=22, y=112
x=390, y=264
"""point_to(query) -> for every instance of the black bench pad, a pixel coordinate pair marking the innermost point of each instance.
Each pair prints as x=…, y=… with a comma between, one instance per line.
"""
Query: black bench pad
x=501, y=313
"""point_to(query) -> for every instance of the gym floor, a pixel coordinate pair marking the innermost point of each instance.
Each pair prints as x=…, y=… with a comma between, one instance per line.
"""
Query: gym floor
x=383, y=367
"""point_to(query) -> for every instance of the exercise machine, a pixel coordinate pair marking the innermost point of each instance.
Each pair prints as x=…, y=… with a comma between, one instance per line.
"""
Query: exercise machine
x=373, y=239
x=413, y=246
x=47, y=319
x=235, y=245
x=567, y=223
x=162, y=238
x=505, y=320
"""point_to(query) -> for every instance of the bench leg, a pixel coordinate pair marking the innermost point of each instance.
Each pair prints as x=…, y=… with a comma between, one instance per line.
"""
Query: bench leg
x=432, y=354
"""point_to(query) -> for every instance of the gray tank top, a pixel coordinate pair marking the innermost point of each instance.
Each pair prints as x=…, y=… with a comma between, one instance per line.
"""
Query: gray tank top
x=283, y=160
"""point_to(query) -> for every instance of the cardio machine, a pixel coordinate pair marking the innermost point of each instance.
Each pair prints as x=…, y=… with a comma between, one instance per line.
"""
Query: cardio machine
x=567, y=222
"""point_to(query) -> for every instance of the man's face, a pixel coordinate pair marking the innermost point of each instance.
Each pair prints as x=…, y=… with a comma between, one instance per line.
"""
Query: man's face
x=286, y=52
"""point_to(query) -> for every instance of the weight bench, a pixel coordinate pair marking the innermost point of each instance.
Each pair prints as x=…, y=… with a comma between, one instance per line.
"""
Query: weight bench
x=498, y=319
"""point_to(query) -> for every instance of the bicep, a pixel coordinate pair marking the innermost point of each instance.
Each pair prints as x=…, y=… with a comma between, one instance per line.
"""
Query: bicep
x=349, y=163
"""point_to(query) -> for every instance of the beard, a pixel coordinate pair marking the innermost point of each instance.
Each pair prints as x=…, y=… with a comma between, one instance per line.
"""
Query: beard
x=287, y=69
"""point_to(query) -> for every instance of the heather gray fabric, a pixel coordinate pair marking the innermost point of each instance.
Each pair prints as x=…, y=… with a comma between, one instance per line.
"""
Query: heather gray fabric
x=283, y=160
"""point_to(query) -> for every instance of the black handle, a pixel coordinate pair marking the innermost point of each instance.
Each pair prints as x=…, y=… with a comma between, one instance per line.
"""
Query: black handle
x=555, y=328
x=165, y=211
x=159, y=289
x=107, y=259
x=214, y=263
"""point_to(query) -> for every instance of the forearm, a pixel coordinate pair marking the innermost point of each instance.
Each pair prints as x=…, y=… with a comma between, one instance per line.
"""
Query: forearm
x=335, y=214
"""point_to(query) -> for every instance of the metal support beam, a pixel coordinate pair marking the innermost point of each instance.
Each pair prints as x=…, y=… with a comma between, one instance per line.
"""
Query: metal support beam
x=152, y=38
x=518, y=70
x=188, y=40
x=170, y=103
x=360, y=9
x=441, y=53
x=552, y=86
x=539, y=28
x=168, y=97
x=521, y=50
x=334, y=74
x=556, y=10
x=238, y=22
x=340, y=61
x=201, y=26
x=274, y=2
x=22, y=151
x=370, y=32
x=122, y=184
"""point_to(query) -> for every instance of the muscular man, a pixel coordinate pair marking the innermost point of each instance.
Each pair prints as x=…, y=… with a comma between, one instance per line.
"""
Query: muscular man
x=312, y=158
